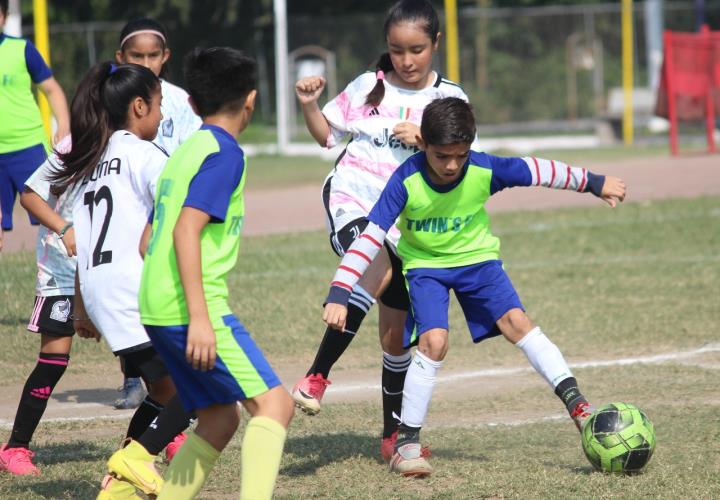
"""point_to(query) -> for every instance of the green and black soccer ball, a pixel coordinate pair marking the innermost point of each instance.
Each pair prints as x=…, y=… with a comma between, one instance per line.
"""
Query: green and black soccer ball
x=618, y=437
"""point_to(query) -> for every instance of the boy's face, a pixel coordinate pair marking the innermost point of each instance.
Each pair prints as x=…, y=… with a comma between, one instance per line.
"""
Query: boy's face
x=446, y=162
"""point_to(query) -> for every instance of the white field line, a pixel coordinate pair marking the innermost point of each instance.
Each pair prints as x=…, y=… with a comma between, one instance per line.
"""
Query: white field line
x=506, y=372
x=497, y=372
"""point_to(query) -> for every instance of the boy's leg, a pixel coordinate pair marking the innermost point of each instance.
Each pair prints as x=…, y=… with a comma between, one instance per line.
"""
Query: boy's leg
x=263, y=442
x=547, y=360
x=192, y=464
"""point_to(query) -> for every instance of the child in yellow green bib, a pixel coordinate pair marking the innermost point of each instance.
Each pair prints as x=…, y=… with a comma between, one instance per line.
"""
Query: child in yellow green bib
x=195, y=240
x=437, y=197
x=23, y=144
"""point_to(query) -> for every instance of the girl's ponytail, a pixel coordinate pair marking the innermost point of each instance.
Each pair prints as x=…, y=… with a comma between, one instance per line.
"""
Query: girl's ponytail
x=384, y=65
x=99, y=108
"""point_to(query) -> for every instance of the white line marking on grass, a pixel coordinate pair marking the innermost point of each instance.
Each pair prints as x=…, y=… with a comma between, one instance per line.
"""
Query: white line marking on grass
x=8, y=425
x=505, y=372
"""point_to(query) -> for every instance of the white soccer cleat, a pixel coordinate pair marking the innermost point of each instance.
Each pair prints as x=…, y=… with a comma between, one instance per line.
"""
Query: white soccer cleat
x=409, y=461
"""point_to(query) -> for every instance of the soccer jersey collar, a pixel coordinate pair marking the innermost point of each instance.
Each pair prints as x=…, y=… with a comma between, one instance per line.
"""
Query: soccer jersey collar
x=219, y=130
x=440, y=188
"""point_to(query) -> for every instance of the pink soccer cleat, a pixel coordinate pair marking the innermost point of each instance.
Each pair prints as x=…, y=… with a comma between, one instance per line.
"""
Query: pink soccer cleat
x=581, y=413
x=172, y=448
x=387, y=448
x=17, y=461
x=308, y=393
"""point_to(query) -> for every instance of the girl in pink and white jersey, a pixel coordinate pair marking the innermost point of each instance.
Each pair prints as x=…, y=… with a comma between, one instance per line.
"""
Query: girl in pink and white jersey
x=381, y=113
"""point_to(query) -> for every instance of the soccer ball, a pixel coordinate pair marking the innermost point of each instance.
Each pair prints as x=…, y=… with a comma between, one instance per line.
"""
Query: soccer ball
x=618, y=437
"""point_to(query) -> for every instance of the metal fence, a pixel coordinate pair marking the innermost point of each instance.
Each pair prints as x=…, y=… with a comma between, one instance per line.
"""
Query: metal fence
x=517, y=64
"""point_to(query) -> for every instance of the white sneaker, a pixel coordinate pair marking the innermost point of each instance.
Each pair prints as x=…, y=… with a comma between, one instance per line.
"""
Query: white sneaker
x=408, y=460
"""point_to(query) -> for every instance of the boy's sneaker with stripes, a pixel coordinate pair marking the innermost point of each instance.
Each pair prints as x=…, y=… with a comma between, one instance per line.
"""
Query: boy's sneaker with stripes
x=309, y=391
x=581, y=413
x=408, y=461
x=17, y=461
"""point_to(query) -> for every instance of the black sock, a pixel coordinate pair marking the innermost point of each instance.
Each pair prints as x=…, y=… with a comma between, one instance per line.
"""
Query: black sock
x=569, y=393
x=334, y=342
x=143, y=417
x=407, y=434
x=33, y=401
x=393, y=379
x=170, y=422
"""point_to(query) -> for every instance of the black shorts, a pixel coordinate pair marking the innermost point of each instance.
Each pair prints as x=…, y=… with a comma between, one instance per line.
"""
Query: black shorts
x=144, y=362
x=396, y=294
x=52, y=316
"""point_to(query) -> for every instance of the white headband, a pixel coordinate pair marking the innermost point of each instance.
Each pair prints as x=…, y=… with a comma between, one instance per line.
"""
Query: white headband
x=142, y=32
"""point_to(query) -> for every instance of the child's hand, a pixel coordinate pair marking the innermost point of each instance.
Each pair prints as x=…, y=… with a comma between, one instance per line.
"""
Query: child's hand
x=201, y=349
x=85, y=329
x=68, y=241
x=408, y=133
x=334, y=315
x=613, y=190
x=308, y=89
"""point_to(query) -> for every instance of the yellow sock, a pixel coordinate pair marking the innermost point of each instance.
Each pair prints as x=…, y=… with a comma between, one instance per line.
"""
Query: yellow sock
x=189, y=469
x=262, y=449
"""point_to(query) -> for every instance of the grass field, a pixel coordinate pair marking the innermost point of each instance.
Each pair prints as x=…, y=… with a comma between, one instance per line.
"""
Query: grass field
x=639, y=281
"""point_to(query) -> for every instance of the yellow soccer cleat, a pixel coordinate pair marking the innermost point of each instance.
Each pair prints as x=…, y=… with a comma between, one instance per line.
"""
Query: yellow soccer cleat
x=112, y=488
x=136, y=466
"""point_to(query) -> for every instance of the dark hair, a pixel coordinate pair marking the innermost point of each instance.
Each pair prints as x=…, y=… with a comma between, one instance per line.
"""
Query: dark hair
x=99, y=108
x=219, y=79
x=4, y=7
x=142, y=24
x=449, y=120
x=404, y=11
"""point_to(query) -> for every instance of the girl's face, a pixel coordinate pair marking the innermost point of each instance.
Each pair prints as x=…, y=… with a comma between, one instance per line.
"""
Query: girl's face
x=411, y=52
x=146, y=50
x=147, y=115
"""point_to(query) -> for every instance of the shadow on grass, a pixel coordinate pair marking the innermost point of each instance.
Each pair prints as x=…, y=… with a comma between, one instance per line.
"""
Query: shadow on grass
x=101, y=396
x=316, y=451
x=77, y=451
x=5, y=321
x=63, y=488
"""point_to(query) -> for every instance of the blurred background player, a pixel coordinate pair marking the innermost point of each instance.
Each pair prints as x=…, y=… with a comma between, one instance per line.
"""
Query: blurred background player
x=381, y=111
x=144, y=42
x=115, y=113
x=438, y=197
x=51, y=315
x=195, y=240
x=23, y=143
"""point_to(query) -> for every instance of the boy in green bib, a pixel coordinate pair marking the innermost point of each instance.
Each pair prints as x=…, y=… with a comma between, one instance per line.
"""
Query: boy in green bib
x=23, y=144
x=437, y=197
x=195, y=239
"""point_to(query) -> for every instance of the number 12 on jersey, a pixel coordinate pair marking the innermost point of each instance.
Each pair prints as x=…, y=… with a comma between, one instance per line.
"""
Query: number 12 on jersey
x=93, y=199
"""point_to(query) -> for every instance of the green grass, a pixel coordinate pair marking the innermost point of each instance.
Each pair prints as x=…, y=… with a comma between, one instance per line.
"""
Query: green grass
x=640, y=280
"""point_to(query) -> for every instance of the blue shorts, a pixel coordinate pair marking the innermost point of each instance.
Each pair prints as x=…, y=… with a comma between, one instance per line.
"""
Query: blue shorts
x=241, y=371
x=15, y=169
x=483, y=290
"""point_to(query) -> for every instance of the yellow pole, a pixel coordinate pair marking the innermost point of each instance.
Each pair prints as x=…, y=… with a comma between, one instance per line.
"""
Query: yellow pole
x=627, y=70
x=451, y=31
x=42, y=42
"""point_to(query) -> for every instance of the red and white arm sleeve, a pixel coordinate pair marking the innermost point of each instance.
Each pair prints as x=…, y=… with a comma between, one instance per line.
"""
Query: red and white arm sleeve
x=355, y=262
x=558, y=175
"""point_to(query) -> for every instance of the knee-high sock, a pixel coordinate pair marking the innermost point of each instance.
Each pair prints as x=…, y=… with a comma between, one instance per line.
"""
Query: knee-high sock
x=262, y=449
x=171, y=421
x=419, y=384
x=33, y=401
x=148, y=410
x=393, y=380
x=189, y=469
x=545, y=357
x=335, y=342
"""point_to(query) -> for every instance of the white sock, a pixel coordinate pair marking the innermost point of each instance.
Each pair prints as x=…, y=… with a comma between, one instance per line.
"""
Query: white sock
x=419, y=384
x=545, y=357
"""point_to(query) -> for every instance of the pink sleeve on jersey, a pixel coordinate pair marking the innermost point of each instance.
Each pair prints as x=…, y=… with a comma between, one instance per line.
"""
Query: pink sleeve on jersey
x=336, y=113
